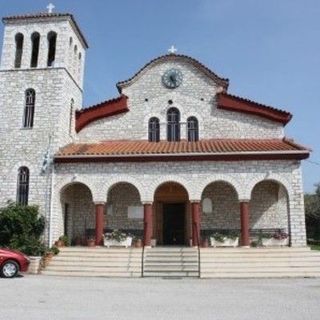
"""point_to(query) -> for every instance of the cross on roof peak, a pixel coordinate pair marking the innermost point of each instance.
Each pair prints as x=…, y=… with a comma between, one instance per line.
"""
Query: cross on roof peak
x=50, y=7
x=172, y=50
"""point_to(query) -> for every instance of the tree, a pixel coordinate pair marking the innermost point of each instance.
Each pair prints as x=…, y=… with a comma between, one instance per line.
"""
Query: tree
x=312, y=207
x=21, y=228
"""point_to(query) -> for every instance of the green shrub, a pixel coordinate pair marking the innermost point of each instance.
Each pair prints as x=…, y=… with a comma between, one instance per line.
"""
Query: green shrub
x=21, y=228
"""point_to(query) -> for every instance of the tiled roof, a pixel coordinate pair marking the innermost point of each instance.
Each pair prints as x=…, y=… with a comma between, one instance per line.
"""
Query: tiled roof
x=104, y=109
x=234, y=103
x=131, y=148
x=39, y=15
x=172, y=57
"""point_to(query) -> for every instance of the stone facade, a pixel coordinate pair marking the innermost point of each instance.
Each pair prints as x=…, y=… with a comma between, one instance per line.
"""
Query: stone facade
x=273, y=188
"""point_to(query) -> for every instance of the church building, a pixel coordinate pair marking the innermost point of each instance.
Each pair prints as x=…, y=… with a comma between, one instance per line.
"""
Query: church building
x=173, y=159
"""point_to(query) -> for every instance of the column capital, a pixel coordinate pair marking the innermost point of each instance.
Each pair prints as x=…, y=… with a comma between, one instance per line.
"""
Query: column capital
x=244, y=200
x=147, y=202
x=96, y=203
x=195, y=201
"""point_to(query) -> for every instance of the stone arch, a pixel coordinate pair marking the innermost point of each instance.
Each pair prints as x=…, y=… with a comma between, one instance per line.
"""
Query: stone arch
x=219, y=178
x=269, y=206
x=268, y=177
x=224, y=204
x=87, y=182
x=124, y=208
x=150, y=191
x=76, y=215
x=121, y=179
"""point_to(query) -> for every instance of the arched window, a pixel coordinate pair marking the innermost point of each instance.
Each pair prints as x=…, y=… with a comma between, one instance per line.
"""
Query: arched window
x=75, y=50
x=173, y=124
x=30, y=99
x=23, y=186
x=70, y=41
x=71, y=116
x=19, y=50
x=35, y=40
x=193, y=129
x=52, y=39
x=154, y=130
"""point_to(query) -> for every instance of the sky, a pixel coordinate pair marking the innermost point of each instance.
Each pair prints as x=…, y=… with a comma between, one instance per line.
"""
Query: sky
x=270, y=50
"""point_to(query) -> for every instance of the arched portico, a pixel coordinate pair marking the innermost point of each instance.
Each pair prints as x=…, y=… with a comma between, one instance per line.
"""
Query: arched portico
x=77, y=208
x=171, y=214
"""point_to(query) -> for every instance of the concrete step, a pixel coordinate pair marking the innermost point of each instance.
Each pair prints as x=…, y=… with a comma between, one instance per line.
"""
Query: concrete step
x=255, y=250
x=172, y=274
x=97, y=259
x=259, y=264
x=94, y=268
x=296, y=274
x=95, y=263
x=93, y=274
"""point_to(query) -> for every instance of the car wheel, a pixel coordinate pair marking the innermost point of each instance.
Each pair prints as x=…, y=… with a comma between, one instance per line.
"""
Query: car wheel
x=9, y=269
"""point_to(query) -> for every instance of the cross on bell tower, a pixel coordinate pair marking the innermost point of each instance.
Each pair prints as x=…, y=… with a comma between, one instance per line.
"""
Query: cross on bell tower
x=50, y=7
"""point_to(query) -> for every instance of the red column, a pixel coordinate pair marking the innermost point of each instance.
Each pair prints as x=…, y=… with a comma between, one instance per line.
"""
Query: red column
x=147, y=234
x=196, y=220
x=244, y=217
x=99, y=208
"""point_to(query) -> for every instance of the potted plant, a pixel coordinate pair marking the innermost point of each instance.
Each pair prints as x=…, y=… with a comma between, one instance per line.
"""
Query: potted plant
x=62, y=241
x=91, y=241
x=205, y=243
x=278, y=239
x=49, y=255
x=224, y=239
x=138, y=243
x=117, y=238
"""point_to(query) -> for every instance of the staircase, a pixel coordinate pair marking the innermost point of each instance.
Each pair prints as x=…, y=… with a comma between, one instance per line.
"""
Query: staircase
x=96, y=262
x=259, y=262
x=166, y=262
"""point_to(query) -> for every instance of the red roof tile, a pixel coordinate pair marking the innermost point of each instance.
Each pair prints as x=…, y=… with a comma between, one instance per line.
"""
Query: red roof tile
x=105, y=109
x=234, y=103
x=133, y=148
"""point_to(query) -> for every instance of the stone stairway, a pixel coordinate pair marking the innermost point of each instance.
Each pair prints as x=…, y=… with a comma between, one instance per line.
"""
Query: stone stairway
x=169, y=262
x=96, y=262
x=259, y=262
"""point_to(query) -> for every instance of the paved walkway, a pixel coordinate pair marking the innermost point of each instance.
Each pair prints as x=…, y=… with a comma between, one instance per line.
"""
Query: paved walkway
x=44, y=297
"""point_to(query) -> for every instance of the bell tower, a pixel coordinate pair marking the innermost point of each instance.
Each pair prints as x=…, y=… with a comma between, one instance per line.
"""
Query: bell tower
x=41, y=86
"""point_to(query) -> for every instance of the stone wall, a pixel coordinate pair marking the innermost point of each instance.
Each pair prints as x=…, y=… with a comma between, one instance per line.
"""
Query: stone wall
x=268, y=206
x=195, y=97
x=225, y=207
x=121, y=196
x=195, y=177
x=81, y=214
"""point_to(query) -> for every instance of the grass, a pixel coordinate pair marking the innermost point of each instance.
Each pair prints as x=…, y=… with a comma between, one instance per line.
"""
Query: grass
x=315, y=247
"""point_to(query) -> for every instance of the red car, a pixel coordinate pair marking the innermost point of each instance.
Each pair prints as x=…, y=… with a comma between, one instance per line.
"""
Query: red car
x=11, y=262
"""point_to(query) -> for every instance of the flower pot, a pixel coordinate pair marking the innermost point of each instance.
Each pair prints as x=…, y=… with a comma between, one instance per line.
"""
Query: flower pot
x=138, y=243
x=205, y=243
x=153, y=242
x=34, y=267
x=59, y=243
x=227, y=242
x=91, y=242
x=272, y=242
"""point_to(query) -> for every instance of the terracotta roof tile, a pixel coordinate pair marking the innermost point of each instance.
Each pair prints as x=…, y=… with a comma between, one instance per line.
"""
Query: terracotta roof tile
x=211, y=146
x=234, y=103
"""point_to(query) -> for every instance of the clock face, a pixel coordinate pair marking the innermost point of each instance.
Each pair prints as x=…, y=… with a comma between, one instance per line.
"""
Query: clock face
x=172, y=78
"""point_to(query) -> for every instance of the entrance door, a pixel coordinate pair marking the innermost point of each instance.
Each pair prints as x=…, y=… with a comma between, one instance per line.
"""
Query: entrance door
x=173, y=224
